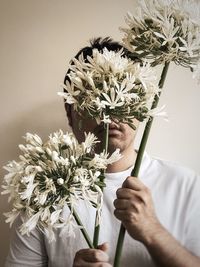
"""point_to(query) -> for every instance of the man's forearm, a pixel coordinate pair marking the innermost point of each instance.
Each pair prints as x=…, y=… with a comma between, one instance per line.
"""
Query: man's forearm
x=166, y=251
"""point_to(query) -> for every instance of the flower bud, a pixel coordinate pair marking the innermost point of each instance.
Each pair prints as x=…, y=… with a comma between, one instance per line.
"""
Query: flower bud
x=60, y=181
x=76, y=179
x=49, y=152
x=73, y=159
x=39, y=149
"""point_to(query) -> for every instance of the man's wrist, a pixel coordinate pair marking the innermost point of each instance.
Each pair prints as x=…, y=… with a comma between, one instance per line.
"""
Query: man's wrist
x=154, y=236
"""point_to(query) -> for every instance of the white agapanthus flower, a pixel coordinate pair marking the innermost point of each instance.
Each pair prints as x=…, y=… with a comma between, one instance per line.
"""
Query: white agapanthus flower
x=62, y=172
x=164, y=31
x=68, y=227
x=108, y=85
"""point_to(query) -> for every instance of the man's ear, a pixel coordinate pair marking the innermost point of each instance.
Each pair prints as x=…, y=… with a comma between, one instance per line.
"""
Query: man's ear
x=68, y=109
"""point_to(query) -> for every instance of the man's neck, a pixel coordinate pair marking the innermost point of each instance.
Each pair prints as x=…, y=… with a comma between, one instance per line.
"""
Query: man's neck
x=127, y=160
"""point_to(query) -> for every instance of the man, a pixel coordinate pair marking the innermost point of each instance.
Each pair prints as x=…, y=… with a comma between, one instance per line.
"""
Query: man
x=160, y=210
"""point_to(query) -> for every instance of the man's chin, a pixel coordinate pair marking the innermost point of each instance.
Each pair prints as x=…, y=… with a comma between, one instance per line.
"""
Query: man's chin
x=113, y=144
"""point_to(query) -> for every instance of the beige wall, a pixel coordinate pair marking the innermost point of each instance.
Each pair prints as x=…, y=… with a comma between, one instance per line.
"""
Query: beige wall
x=37, y=39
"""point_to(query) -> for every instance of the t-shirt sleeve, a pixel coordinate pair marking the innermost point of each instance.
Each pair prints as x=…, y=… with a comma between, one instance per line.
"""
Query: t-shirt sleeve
x=26, y=251
x=192, y=218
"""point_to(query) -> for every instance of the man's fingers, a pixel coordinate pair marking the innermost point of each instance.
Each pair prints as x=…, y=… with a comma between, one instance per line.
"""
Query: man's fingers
x=123, y=204
x=124, y=193
x=104, y=247
x=123, y=215
x=134, y=189
x=92, y=255
x=127, y=194
x=91, y=264
x=133, y=183
x=124, y=207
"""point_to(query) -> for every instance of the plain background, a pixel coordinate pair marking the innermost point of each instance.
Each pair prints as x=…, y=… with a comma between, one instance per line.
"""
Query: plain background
x=37, y=40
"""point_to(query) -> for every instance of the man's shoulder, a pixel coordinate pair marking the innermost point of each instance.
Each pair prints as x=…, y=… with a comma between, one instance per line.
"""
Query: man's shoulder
x=170, y=170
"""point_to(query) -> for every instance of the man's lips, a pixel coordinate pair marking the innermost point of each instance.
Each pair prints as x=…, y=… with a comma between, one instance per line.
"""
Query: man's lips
x=113, y=126
x=114, y=129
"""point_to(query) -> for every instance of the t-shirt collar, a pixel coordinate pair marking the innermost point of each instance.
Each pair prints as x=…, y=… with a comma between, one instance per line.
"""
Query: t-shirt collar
x=121, y=176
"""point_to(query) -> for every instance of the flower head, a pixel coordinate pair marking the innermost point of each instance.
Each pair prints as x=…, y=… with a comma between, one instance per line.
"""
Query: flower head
x=110, y=86
x=41, y=184
x=164, y=31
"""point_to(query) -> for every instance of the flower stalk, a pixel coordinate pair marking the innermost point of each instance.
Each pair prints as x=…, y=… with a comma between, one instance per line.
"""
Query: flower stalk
x=135, y=171
x=84, y=232
x=97, y=224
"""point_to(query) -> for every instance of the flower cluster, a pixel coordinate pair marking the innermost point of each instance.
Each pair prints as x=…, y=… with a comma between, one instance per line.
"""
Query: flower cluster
x=164, y=31
x=52, y=175
x=111, y=86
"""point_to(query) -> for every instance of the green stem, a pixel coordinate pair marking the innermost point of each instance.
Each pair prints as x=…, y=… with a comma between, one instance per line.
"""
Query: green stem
x=84, y=232
x=97, y=226
x=135, y=171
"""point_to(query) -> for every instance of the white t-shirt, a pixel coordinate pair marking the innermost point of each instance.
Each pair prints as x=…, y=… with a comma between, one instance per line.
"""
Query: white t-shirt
x=176, y=195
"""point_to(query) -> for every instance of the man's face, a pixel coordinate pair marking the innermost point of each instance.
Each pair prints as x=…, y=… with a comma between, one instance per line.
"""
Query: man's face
x=120, y=135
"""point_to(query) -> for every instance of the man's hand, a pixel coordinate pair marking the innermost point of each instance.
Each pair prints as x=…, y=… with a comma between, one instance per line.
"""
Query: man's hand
x=134, y=208
x=92, y=257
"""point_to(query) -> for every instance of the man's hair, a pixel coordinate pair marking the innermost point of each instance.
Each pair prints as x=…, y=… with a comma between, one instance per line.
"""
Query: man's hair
x=99, y=44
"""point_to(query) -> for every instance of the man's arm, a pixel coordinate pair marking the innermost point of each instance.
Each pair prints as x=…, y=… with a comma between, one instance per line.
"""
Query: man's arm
x=134, y=208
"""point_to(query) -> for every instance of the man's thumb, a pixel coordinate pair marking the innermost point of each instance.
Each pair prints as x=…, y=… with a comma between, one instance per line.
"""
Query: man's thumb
x=104, y=247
